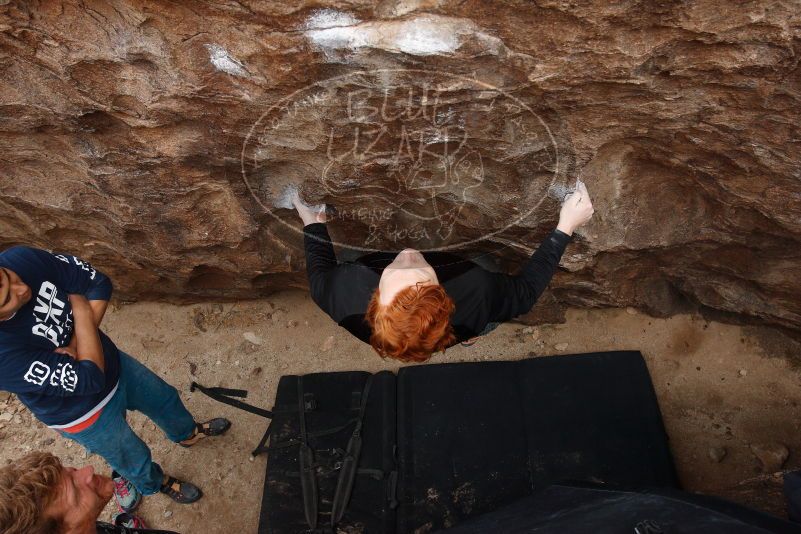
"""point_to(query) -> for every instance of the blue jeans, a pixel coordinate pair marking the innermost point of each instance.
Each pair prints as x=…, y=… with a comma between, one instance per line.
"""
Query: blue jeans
x=111, y=437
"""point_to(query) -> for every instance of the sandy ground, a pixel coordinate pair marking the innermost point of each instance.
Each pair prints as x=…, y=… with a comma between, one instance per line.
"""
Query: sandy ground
x=724, y=391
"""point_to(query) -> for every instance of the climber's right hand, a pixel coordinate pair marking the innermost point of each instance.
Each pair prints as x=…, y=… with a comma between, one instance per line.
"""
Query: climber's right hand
x=576, y=210
x=309, y=214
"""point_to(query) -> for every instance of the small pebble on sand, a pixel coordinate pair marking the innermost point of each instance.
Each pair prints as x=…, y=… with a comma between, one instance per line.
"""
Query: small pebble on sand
x=253, y=338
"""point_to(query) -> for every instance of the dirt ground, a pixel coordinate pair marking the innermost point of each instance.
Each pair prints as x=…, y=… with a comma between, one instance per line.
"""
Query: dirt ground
x=727, y=393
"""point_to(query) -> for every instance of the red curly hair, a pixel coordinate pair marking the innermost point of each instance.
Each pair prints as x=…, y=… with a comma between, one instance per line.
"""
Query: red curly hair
x=414, y=325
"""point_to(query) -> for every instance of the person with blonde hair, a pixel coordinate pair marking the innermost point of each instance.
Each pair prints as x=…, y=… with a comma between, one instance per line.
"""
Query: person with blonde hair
x=408, y=305
x=38, y=495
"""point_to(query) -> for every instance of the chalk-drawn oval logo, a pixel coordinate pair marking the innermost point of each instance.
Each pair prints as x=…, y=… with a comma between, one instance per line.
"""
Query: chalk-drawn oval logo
x=412, y=157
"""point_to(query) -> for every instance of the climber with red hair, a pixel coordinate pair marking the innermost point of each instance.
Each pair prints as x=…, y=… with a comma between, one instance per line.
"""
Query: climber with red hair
x=409, y=305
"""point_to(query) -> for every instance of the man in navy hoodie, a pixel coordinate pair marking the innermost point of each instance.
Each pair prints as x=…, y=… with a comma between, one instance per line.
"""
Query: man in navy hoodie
x=76, y=381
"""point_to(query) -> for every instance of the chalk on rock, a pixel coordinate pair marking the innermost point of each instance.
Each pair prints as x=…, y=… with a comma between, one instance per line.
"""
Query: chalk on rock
x=223, y=61
x=285, y=198
x=560, y=347
x=559, y=192
x=631, y=311
x=167, y=514
x=328, y=344
x=253, y=338
x=743, y=372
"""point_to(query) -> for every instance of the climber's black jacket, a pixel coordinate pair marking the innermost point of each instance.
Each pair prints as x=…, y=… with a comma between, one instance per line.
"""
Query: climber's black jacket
x=343, y=290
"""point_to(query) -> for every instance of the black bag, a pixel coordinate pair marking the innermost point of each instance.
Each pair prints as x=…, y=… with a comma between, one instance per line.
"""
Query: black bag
x=470, y=437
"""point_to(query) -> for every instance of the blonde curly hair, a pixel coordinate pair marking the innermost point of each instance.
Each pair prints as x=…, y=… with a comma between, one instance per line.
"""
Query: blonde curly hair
x=27, y=487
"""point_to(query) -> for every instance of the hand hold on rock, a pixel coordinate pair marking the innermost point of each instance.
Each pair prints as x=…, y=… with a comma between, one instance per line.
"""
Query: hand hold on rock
x=771, y=455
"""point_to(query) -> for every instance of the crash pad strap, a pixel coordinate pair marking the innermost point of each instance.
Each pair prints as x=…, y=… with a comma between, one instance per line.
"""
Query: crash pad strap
x=350, y=463
x=308, y=475
x=224, y=395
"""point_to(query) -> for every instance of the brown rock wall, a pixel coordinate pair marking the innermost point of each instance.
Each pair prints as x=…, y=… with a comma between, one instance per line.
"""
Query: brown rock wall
x=153, y=139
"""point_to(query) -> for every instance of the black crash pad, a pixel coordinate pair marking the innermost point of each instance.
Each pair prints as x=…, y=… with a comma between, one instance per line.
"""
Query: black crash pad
x=475, y=436
x=600, y=510
x=443, y=443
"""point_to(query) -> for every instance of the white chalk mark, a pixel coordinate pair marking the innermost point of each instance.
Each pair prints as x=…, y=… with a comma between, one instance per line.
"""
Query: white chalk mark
x=329, y=18
x=559, y=192
x=423, y=35
x=285, y=198
x=223, y=61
